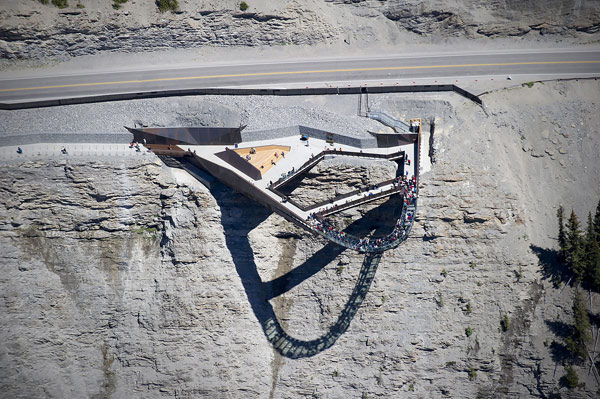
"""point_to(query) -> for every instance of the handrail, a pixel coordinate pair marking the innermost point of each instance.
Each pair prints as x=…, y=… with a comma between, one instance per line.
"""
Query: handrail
x=392, y=240
x=363, y=200
x=388, y=120
x=317, y=158
x=346, y=195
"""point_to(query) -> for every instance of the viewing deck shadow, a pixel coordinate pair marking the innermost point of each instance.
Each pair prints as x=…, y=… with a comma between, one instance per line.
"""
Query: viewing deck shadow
x=259, y=293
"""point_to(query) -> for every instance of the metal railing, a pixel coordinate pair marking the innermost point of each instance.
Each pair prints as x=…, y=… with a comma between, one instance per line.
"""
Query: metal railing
x=317, y=158
x=347, y=195
x=366, y=199
x=389, y=120
x=371, y=245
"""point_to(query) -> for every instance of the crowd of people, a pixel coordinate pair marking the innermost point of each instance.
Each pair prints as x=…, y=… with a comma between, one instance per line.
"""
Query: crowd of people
x=370, y=244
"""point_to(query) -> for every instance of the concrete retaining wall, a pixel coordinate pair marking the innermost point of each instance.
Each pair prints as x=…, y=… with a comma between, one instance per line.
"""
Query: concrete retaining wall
x=297, y=130
x=239, y=92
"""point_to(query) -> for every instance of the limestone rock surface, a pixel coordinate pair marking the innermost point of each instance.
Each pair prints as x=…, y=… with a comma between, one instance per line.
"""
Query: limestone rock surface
x=119, y=279
x=36, y=32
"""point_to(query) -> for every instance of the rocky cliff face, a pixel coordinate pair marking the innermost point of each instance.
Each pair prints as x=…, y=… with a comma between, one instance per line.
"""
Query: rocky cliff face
x=36, y=32
x=337, y=176
x=102, y=289
x=123, y=278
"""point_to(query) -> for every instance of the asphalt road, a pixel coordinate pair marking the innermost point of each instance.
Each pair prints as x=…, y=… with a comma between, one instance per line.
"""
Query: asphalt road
x=310, y=72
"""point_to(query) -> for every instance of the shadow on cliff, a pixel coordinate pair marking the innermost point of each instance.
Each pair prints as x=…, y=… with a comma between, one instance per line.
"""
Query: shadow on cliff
x=552, y=268
x=237, y=227
x=377, y=220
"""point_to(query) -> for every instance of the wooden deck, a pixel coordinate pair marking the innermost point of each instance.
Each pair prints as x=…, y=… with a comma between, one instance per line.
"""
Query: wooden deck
x=263, y=156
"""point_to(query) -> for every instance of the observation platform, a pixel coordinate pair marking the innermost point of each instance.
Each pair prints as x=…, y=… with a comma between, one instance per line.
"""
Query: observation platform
x=259, y=169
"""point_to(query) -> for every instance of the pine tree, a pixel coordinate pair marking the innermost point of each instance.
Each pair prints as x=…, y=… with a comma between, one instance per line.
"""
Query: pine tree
x=562, y=239
x=592, y=255
x=573, y=248
x=593, y=261
x=570, y=379
x=590, y=234
x=581, y=328
x=597, y=223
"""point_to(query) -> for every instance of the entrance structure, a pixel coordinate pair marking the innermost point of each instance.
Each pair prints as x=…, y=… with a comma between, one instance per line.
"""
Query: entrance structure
x=258, y=169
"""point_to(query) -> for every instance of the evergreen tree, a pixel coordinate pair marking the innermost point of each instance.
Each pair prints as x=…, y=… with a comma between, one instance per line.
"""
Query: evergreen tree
x=570, y=380
x=593, y=265
x=562, y=239
x=581, y=328
x=592, y=255
x=590, y=234
x=573, y=248
x=597, y=223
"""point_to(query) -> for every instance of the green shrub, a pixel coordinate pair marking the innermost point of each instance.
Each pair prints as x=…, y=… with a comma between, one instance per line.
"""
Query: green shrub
x=519, y=274
x=243, y=6
x=444, y=273
x=570, y=380
x=472, y=265
x=339, y=270
x=167, y=5
x=472, y=374
x=117, y=4
x=468, y=331
x=469, y=309
x=80, y=4
x=411, y=387
x=505, y=323
x=529, y=84
x=147, y=232
x=61, y=3
x=44, y=1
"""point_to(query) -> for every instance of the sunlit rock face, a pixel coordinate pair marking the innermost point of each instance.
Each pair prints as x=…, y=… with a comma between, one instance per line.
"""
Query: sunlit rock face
x=34, y=32
x=119, y=278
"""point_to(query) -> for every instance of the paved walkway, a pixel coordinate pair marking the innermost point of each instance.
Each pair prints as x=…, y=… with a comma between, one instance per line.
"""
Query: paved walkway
x=299, y=153
x=45, y=151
